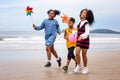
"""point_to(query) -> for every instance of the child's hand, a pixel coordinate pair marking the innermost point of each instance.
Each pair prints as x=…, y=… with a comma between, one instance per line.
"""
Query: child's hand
x=59, y=33
x=66, y=37
x=34, y=26
x=80, y=38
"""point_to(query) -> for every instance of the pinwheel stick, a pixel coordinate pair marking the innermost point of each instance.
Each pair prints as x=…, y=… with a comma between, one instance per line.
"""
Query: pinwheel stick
x=32, y=19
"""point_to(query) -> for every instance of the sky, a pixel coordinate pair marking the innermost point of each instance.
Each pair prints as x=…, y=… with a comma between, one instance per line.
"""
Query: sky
x=13, y=16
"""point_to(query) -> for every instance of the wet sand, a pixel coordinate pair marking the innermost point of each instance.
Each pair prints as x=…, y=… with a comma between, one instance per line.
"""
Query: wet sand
x=103, y=65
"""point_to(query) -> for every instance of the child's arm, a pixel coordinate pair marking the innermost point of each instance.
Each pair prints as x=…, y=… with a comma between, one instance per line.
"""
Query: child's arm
x=58, y=29
x=85, y=35
x=65, y=35
x=39, y=27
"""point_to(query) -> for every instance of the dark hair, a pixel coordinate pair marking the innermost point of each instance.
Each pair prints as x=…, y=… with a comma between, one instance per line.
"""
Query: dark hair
x=57, y=12
x=72, y=19
x=90, y=16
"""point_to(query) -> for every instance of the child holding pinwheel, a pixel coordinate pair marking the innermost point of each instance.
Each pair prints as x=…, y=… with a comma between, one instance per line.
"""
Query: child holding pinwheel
x=70, y=44
x=51, y=28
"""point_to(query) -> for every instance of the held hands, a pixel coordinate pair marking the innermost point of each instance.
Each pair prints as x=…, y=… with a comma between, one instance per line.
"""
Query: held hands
x=66, y=37
x=80, y=38
x=59, y=33
x=34, y=26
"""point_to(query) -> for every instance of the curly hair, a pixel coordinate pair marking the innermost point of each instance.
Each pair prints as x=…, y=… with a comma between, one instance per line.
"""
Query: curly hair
x=57, y=12
x=90, y=16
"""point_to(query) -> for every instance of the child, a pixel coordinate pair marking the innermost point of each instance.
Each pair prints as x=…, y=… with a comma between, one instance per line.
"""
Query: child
x=51, y=27
x=70, y=45
x=82, y=44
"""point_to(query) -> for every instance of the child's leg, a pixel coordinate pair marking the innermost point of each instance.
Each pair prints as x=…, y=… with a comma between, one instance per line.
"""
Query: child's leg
x=54, y=51
x=72, y=55
x=69, y=56
x=48, y=50
x=65, y=68
x=75, y=60
x=48, y=64
x=56, y=55
x=68, y=62
x=78, y=59
x=84, y=55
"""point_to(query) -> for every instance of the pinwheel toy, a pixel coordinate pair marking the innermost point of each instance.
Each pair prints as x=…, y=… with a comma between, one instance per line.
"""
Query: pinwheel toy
x=65, y=18
x=28, y=11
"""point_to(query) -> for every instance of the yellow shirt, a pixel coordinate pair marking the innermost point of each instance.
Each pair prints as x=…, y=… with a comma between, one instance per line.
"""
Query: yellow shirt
x=68, y=43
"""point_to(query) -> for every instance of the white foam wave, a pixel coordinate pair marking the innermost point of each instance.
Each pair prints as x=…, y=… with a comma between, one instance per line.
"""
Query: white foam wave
x=60, y=39
x=24, y=38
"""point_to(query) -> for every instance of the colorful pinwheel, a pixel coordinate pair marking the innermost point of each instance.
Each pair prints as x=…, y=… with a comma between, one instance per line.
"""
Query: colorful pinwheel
x=28, y=11
x=65, y=18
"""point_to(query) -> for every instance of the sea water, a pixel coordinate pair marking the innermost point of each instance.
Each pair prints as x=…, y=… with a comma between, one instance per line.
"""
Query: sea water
x=22, y=38
x=29, y=45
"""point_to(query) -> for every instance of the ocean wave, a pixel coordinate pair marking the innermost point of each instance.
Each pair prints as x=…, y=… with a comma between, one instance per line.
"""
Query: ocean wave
x=58, y=40
x=23, y=38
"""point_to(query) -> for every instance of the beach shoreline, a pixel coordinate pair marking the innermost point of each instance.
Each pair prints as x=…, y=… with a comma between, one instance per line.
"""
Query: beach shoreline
x=103, y=65
x=24, y=59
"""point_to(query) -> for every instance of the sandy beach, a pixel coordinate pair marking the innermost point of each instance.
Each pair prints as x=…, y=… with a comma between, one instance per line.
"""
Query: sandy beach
x=24, y=61
x=103, y=65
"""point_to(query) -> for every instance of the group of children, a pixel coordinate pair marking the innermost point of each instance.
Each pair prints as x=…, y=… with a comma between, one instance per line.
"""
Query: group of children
x=52, y=28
